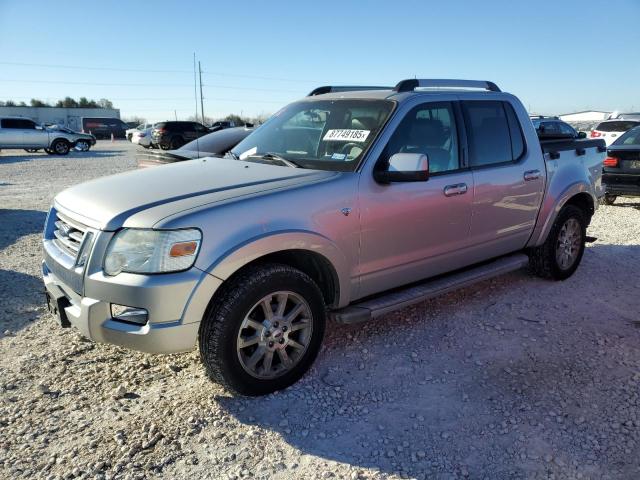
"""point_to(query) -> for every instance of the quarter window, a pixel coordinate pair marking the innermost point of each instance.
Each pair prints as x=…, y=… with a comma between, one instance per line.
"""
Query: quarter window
x=430, y=129
x=493, y=131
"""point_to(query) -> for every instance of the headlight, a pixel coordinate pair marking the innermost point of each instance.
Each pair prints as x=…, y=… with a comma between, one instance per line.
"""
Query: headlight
x=152, y=251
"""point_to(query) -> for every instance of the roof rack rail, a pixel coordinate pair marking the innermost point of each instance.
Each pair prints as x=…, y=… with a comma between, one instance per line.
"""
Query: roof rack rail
x=354, y=88
x=413, y=83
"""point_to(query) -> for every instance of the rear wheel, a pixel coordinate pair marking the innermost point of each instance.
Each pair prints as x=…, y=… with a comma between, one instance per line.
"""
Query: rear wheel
x=263, y=331
x=559, y=256
x=60, y=147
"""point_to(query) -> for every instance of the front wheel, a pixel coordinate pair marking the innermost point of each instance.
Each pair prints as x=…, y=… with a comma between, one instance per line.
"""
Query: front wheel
x=559, y=256
x=263, y=331
x=83, y=145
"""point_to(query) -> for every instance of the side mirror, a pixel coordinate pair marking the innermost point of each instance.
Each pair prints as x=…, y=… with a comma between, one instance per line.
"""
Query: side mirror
x=582, y=134
x=405, y=167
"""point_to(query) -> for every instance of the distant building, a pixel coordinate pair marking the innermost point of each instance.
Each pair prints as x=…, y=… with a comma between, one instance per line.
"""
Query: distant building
x=586, y=120
x=67, y=117
x=585, y=116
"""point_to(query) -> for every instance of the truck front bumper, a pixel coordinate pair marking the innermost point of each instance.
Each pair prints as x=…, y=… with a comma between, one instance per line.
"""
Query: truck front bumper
x=188, y=297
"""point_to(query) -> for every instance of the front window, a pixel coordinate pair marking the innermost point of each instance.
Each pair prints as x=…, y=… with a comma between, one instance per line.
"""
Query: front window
x=324, y=135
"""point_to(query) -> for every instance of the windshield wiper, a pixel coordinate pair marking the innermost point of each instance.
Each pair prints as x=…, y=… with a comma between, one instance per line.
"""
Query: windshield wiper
x=230, y=154
x=277, y=158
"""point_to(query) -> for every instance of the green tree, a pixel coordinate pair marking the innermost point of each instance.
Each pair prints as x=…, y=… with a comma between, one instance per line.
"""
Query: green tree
x=104, y=103
x=38, y=103
x=10, y=103
x=68, y=102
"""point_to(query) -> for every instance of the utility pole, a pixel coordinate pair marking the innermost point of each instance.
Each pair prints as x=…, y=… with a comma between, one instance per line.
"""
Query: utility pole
x=201, y=100
x=195, y=84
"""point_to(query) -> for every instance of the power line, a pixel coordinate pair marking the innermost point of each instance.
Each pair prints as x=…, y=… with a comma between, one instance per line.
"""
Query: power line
x=84, y=67
x=141, y=70
x=101, y=84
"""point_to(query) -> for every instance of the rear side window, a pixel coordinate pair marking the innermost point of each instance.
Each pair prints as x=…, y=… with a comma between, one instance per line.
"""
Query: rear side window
x=494, y=133
x=617, y=126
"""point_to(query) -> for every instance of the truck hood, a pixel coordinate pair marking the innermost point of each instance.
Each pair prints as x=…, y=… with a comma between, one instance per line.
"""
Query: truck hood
x=115, y=201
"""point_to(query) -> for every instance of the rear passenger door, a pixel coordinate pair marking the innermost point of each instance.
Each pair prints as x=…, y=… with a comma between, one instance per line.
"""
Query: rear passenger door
x=508, y=183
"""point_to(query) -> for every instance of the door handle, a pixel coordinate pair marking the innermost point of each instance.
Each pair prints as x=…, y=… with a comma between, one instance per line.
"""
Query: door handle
x=531, y=175
x=457, y=189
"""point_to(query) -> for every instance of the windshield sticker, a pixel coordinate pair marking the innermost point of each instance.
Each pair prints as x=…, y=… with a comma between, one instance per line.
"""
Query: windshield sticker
x=248, y=153
x=346, y=135
x=338, y=156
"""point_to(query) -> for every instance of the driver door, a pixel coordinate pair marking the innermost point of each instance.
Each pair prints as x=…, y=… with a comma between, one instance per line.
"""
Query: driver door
x=415, y=230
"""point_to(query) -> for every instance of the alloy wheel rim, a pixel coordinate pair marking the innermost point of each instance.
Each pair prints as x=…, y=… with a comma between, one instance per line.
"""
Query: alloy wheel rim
x=568, y=245
x=274, y=335
x=60, y=148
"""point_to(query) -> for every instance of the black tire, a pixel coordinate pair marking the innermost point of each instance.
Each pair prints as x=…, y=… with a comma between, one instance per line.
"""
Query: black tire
x=163, y=146
x=221, y=324
x=49, y=151
x=31, y=150
x=60, y=147
x=543, y=260
x=609, y=199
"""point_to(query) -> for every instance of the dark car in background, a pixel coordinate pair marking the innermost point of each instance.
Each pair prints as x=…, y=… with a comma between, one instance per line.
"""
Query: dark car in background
x=221, y=125
x=173, y=135
x=551, y=127
x=104, y=127
x=621, y=168
x=215, y=144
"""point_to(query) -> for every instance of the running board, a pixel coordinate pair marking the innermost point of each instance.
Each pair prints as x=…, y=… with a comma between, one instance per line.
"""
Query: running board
x=375, y=307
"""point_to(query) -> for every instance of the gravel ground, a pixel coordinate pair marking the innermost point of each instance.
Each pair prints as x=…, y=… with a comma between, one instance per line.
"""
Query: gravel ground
x=514, y=378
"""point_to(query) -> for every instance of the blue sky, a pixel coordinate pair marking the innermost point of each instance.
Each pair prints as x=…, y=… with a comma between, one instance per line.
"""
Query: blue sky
x=557, y=56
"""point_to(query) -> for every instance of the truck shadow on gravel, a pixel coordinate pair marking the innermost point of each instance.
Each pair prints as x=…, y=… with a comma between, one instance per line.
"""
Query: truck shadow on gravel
x=9, y=159
x=16, y=223
x=477, y=383
x=22, y=299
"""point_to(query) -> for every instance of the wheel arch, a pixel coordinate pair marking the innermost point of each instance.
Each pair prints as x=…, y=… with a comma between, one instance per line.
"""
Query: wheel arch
x=577, y=194
x=313, y=254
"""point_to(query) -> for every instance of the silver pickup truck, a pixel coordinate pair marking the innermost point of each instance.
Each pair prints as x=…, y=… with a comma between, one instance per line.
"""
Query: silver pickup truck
x=347, y=204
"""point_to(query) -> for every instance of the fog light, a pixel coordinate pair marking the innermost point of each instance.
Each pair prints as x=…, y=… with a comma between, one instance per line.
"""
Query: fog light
x=135, y=315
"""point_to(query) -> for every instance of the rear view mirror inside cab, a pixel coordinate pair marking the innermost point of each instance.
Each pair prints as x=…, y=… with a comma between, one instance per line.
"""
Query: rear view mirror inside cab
x=404, y=167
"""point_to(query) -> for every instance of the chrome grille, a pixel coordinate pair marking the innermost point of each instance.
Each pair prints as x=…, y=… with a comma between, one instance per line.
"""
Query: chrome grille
x=68, y=235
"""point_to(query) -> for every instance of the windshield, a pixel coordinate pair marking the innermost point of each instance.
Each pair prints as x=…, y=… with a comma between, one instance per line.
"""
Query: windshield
x=632, y=137
x=324, y=135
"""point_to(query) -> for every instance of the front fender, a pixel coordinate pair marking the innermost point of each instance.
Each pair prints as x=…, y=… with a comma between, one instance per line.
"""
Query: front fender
x=552, y=206
x=234, y=259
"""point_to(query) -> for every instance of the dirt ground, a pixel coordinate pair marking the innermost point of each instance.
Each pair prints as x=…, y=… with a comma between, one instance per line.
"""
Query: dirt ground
x=515, y=377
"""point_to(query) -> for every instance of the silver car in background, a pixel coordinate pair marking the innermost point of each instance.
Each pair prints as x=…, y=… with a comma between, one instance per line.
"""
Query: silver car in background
x=350, y=203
